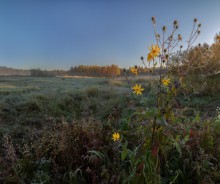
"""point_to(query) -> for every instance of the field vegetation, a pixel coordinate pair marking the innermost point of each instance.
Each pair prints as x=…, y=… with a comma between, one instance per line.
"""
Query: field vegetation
x=160, y=128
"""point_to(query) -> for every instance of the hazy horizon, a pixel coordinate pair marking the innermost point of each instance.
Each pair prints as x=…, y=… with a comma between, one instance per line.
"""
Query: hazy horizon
x=59, y=34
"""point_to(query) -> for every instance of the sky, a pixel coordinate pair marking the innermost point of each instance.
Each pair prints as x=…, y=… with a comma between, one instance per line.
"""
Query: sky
x=58, y=34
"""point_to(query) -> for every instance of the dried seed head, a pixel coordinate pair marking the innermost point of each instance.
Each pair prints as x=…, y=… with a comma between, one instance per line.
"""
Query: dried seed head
x=135, y=66
x=181, y=46
x=195, y=19
x=177, y=27
x=164, y=28
x=142, y=58
x=167, y=56
x=179, y=37
x=153, y=20
x=165, y=50
x=199, y=32
x=175, y=23
x=199, y=25
x=164, y=59
x=158, y=36
x=170, y=37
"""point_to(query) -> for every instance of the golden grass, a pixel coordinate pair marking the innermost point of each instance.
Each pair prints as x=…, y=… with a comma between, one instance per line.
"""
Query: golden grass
x=7, y=86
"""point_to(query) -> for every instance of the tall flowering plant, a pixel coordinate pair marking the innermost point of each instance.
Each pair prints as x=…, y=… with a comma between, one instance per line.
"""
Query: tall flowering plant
x=154, y=128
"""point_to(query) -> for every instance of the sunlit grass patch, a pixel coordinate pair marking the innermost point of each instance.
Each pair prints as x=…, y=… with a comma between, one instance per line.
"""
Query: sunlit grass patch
x=7, y=86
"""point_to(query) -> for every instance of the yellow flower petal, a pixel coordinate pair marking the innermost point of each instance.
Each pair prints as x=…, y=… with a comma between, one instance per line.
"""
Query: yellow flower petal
x=134, y=71
x=115, y=136
x=137, y=89
x=154, y=50
x=166, y=82
x=150, y=56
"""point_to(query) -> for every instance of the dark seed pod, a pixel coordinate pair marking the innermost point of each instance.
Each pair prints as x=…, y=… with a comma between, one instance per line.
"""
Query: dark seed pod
x=175, y=22
x=179, y=37
x=164, y=28
x=153, y=20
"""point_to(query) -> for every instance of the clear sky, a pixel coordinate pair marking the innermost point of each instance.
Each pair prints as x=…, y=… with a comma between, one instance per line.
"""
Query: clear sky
x=58, y=34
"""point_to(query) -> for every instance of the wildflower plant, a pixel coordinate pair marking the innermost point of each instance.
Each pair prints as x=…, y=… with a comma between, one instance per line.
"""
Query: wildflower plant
x=155, y=130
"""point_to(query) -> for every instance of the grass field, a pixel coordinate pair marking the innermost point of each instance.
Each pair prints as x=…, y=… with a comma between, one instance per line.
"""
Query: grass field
x=28, y=101
x=19, y=85
x=60, y=120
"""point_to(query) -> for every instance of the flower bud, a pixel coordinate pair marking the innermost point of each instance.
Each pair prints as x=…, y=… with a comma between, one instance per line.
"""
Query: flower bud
x=175, y=23
x=179, y=37
x=164, y=28
x=195, y=19
x=170, y=38
x=153, y=20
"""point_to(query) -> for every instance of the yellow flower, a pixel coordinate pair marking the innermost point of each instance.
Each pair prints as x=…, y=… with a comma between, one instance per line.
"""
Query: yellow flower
x=134, y=70
x=166, y=82
x=150, y=56
x=154, y=50
x=115, y=136
x=137, y=89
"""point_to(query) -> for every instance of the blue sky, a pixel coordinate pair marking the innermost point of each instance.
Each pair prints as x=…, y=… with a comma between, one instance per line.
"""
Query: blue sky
x=58, y=34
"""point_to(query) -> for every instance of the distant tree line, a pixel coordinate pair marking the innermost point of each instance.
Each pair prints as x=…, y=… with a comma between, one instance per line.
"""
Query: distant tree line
x=95, y=70
x=80, y=70
x=11, y=71
x=45, y=73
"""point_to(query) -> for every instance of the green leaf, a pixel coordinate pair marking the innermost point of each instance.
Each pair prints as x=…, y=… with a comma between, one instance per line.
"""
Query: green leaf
x=186, y=138
x=124, y=151
x=178, y=148
x=97, y=153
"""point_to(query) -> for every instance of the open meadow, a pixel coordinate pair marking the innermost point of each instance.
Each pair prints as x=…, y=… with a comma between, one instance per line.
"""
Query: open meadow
x=59, y=129
x=29, y=101
x=102, y=92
